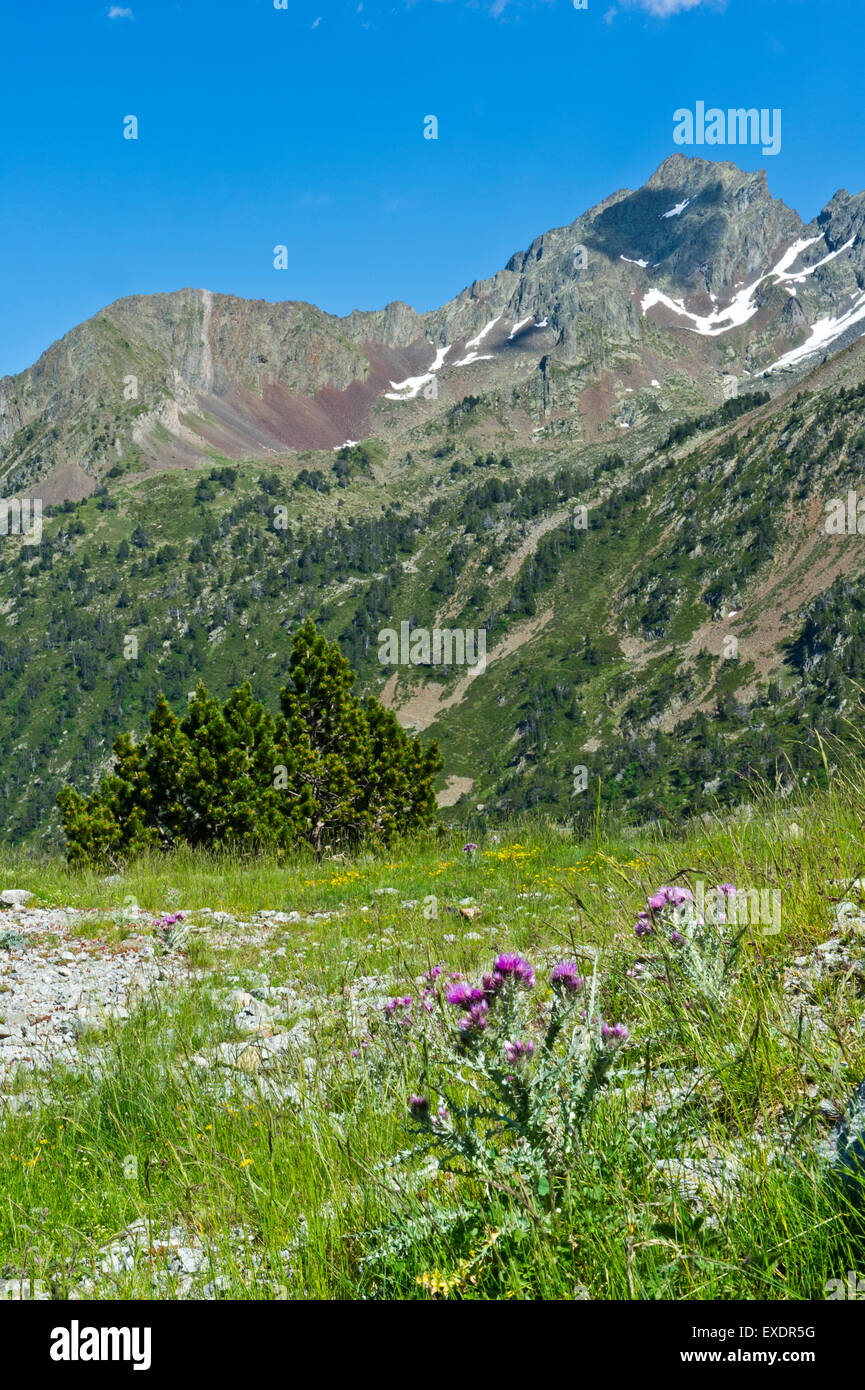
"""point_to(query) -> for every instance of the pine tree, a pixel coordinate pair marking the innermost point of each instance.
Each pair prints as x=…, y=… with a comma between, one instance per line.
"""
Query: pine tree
x=328, y=772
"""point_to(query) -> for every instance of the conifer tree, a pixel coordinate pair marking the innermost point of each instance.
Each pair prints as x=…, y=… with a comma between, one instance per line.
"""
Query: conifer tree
x=328, y=772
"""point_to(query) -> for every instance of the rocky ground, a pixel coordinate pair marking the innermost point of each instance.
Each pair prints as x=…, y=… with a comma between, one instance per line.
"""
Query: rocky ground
x=67, y=974
x=57, y=980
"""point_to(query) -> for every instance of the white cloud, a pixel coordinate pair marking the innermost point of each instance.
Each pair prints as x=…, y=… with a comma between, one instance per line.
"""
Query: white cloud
x=120, y=12
x=662, y=9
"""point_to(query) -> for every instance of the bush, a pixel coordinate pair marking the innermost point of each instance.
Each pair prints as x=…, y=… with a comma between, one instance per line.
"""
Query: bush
x=326, y=773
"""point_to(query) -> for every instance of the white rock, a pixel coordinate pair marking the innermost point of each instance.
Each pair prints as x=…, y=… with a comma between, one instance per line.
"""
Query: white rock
x=15, y=897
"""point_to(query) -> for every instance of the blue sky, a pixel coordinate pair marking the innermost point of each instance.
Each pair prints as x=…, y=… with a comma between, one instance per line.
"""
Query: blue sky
x=303, y=126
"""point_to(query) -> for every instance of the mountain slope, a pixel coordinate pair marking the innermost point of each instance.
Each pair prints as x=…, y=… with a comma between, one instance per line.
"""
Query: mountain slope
x=661, y=601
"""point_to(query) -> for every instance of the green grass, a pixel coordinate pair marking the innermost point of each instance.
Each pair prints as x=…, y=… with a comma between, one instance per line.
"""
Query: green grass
x=311, y=1181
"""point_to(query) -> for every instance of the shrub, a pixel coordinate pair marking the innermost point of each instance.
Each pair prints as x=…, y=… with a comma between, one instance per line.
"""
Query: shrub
x=327, y=772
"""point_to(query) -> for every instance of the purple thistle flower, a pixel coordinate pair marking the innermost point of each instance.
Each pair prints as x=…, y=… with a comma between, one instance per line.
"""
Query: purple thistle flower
x=519, y=1051
x=676, y=938
x=510, y=964
x=677, y=896
x=567, y=978
x=459, y=995
x=644, y=925
x=469, y=848
x=434, y=973
x=492, y=983
x=614, y=1033
x=419, y=1106
x=728, y=889
x=399, y=1003
x=169, y=919
x=658, y=901
x=474, y=1021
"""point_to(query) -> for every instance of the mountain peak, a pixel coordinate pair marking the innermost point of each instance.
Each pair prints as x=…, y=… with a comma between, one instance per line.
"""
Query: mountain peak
x=700, y=271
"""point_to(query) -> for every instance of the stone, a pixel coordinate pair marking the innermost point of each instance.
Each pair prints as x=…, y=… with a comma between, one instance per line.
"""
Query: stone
x=276, y=1044
x=15, y=897
x=249, y=1059
x=696, y=1180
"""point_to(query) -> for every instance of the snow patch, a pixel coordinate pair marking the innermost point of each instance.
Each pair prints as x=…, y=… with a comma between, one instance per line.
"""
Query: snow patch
x=742, y=308
x=474, y=357
x=409, y=389
x=801, y=275
x=824, y=331
x=709, y=325
x=633, y=262
x=677, y=210
x=476, y=342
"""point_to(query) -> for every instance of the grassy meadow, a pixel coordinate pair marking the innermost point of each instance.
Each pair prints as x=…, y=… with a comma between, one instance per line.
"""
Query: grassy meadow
x=319, y=1191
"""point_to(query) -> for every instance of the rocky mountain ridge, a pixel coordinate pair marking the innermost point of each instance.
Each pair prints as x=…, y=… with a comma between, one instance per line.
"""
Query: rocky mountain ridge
x=698, y=276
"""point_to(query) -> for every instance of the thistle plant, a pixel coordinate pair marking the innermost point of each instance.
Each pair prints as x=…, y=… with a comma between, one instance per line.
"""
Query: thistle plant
x=508, y=1101
x=175, y=932
x=509, y=1084
x=695, y=948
